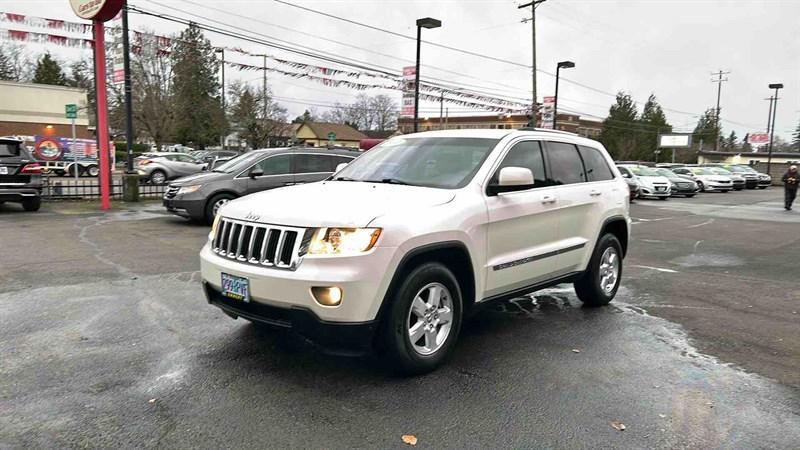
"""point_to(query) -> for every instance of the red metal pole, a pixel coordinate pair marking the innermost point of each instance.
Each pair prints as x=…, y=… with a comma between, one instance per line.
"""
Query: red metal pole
x=102, y=112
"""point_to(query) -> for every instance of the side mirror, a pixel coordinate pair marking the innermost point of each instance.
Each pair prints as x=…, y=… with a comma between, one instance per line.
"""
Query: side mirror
x=512, y=179
x=204, y=168
x=256, y=172
x=340, y=167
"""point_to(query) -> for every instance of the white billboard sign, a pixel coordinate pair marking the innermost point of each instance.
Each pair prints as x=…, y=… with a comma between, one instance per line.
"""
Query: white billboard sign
x=675, y=140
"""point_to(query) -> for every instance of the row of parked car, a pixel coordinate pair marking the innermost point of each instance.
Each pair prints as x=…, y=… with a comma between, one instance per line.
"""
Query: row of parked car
x=669, y=180
x=160, y=167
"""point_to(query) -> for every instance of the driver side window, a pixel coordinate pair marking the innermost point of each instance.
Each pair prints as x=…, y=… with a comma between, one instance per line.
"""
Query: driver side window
x=526, y=154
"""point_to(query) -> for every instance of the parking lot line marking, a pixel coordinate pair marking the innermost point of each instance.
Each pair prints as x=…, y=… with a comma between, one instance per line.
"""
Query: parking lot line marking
x=707, y=222
x=660, y=269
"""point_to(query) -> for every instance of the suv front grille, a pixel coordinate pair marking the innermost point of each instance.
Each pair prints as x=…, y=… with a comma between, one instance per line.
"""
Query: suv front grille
x=259, y=244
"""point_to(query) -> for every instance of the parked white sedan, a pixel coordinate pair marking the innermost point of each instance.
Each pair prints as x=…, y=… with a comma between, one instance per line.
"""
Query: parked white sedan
x=707, y=180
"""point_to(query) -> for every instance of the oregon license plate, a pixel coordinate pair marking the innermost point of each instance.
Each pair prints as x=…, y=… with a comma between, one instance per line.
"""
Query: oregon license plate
x=234, y=287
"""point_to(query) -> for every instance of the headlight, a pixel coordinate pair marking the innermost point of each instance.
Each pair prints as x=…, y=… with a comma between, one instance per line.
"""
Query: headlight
x=214, y=228
x=189, y=189
x=343, y=241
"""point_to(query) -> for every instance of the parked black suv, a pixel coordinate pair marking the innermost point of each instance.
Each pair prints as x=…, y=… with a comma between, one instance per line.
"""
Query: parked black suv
x=20, y=175
x=199, y=196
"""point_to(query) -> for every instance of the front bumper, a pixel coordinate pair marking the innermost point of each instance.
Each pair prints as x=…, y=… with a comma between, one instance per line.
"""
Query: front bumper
x=331, y=337
x=363, y=280
x=718, y=187
x=653, y=192
x=685, y=190
x=191, y=209
x=739, y=184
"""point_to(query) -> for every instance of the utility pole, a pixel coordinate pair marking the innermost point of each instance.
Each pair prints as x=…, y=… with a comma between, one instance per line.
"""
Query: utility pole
x=533, y=4
x=266, y=98
x=775, y=86
x=126, y=64
x=719, y=80
x=441, y=110
x=222, y=67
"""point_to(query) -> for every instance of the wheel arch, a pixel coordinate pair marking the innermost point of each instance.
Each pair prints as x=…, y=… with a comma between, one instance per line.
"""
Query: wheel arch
x=452, y=254
x=618, y=226
x=211, y=196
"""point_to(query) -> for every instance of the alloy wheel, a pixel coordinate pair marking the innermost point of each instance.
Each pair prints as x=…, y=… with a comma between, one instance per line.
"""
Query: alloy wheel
x=609, y=270
x=430, y=318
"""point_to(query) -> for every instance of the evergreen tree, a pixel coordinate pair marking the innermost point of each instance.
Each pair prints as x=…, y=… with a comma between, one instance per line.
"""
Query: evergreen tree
x=48, y=71
x=307, y=116
x=199, y=118
x=796, y=138
x=247, y=116
x=730, y=143
x=653, y=122
x=620, y=128
x=707, y=130
x=746, y=147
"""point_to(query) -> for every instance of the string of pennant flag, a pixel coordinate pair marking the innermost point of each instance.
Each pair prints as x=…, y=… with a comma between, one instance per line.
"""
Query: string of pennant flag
x=163, y=46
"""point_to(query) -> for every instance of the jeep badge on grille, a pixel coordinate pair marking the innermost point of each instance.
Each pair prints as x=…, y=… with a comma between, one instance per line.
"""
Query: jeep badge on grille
x=252, y=216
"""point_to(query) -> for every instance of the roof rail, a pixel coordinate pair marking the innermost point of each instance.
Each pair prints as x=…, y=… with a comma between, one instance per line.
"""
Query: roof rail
x=548, y=130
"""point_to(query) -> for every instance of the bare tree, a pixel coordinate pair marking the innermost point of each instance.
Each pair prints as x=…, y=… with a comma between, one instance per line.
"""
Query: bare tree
x=153, y=99
x=384, y=112
x=365, y=113
x=17, y=62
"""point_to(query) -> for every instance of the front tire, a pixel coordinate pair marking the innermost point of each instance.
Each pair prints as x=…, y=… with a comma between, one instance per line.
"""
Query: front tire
x=158, y=177
x=421, y=328
x=599, y=283
x=213, y=205
x=701, y=186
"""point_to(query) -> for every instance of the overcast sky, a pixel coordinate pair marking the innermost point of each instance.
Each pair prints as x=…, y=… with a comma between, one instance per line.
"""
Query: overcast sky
x=664, y=47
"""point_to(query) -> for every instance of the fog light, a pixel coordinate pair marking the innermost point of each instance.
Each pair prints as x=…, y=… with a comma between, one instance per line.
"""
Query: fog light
x=327, y=296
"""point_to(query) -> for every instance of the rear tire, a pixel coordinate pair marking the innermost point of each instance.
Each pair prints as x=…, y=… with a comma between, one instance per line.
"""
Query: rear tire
x=663, y=198
x=32, y=204
x=700, y=185
x=422, y=326
x=93, y=171
x=599, y=283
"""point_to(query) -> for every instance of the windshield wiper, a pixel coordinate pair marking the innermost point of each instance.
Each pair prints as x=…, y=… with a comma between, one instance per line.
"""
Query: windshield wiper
x=344, y=179
x=391, y=181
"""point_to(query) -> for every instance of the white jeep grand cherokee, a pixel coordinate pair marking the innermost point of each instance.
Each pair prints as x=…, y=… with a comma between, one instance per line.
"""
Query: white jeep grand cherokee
x=395, y=248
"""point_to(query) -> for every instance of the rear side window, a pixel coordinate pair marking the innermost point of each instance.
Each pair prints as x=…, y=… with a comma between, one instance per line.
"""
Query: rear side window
x=526, y=154
x=596, y=166
x=306, y=163
x=276, y=165
x=565, y=164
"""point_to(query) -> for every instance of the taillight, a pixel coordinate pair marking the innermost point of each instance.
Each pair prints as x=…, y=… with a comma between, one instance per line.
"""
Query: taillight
x=32, y=168
x=144, y=162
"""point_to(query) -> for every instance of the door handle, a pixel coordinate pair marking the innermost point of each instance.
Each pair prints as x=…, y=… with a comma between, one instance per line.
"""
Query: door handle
x=595, y=193
x=547, y=198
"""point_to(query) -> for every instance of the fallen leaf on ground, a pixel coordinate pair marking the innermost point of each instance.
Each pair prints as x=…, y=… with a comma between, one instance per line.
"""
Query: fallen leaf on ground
x=152, y=400
x=410, y=439
x=575, y=350
x=663, y=416
x=619, y=426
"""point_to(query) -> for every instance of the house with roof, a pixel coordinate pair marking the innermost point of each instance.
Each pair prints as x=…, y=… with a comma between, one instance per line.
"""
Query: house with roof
x=321, y=134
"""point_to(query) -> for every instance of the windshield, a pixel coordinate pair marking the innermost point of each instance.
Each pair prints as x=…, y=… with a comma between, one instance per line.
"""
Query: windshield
x=644, y=171
x=701, y=171
x=239, y=163
x=439, y=162
x=665, y=172
x=719, y=171
x=742, y=169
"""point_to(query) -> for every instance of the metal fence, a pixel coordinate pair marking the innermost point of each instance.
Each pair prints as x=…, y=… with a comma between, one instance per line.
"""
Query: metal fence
x=58, y=188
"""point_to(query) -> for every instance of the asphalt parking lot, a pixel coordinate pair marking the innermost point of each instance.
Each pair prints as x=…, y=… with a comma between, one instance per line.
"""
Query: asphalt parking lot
x=106, y=341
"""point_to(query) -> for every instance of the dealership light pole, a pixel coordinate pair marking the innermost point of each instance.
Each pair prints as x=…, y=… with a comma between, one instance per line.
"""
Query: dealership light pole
x=427, y=22
x=775, y=86
x=769, y=112
x=559, y=66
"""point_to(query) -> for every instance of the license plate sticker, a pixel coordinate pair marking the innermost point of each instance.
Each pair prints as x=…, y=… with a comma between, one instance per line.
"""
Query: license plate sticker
x=3, y=170
x=236, y=288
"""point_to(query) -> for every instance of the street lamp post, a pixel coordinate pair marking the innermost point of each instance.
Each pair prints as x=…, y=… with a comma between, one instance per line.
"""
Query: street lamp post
x=775, y=86
x=561, y=65
x=427, y=22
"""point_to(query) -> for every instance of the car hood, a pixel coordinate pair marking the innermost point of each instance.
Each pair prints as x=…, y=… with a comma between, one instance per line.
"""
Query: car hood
x=200, y=178
x=651, y=180
x=715, y=177
x=334, y=203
